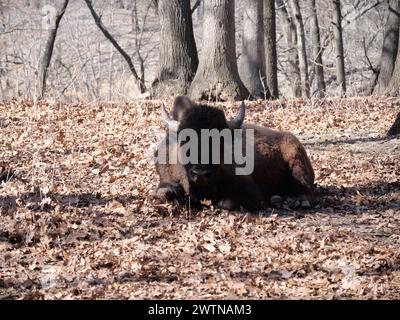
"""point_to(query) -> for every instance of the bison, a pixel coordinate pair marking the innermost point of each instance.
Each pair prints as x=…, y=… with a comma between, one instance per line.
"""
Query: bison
x=280, y=163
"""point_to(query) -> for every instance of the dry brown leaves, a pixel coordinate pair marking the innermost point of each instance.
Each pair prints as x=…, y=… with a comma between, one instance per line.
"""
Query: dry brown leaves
x=76, y=221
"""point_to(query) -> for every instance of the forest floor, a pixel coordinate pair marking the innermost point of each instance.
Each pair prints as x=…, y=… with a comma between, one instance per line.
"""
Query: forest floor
x=76, y=220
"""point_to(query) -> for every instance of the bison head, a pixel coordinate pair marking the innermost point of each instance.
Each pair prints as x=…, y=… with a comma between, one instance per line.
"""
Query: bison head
x=203, y=134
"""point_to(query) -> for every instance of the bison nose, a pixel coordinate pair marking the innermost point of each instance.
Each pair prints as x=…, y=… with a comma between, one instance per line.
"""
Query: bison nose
x=199, y=173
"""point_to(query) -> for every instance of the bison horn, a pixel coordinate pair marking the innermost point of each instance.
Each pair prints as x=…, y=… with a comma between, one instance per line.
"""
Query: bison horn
x=238, y=121
x=173, y=125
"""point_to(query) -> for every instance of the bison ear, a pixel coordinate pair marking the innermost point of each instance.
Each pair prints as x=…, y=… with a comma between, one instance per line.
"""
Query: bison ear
x=238, y=121
x=181, y=104
x=173, y=125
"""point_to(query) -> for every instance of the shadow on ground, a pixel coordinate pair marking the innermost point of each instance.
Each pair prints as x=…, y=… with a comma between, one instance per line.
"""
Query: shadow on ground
x=348, y=141
x=341, y=199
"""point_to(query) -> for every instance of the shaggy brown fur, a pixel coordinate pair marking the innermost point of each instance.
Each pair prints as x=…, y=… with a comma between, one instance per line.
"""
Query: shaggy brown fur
x=281, y=165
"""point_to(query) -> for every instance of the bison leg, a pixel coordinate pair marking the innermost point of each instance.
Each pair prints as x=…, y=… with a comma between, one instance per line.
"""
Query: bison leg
x=239, y=191
x=227, y=204
x=170, y=192
x=231, y=204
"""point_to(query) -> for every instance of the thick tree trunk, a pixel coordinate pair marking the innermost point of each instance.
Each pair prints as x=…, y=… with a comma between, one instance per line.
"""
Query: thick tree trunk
x=390, y=45
x=393, y=88
x=338, y=38
x=395, y=128
x=217, y=76
x=48, y=50
x=301, y=44
x=317, y=52
x=178, y=52
x=291, y=40
x=270, y=46
x=252, y=60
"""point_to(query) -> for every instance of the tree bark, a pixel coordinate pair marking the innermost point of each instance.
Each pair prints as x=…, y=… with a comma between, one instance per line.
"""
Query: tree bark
x=291, y=40
x=48, y=50
x=270, y=46
x=301, y=44
x=217, y=76
x=317, y=52
x=178, y=52
x=107, y=34
x=393, y=88
x=252, y=60
x=338, y=38
x=390, y=46
x=395, y=128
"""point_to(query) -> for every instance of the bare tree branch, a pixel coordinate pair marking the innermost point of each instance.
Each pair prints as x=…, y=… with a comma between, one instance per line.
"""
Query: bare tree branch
x=48, y=51
x=195, y=6
x=101, y=26
x=370, y=65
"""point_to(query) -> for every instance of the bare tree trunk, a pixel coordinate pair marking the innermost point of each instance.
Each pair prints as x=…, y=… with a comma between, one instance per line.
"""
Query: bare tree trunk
x=48, y=50
x=252, y=60
x=395, y=128
x=301, y=43
x=217, y=76
x=390, y=45
x=178, y=52
x=291, y=41
x=111, y=59
x=317, y=52
x=338, y=37
x=128, y=60
x=393, y=87
x=270, y=48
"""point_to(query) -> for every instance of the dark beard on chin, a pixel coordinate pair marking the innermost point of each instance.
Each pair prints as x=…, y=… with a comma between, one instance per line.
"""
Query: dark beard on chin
x=198, y=193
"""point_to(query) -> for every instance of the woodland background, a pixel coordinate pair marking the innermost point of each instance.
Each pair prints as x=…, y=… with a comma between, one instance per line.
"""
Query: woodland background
x=86, y=66
x=77, y=128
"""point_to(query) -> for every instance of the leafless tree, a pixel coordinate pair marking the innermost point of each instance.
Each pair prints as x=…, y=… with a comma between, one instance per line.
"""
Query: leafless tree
x=301, y=43
x=252, y=60
x=48, y=49
x=290, y=34
x=338, y=38
x=107, y=34
x=178, y=53
x=87, y=66
x=393, y=87
x=317, y=51
x=389, y=47
x=270, y=48
x=217, y=76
